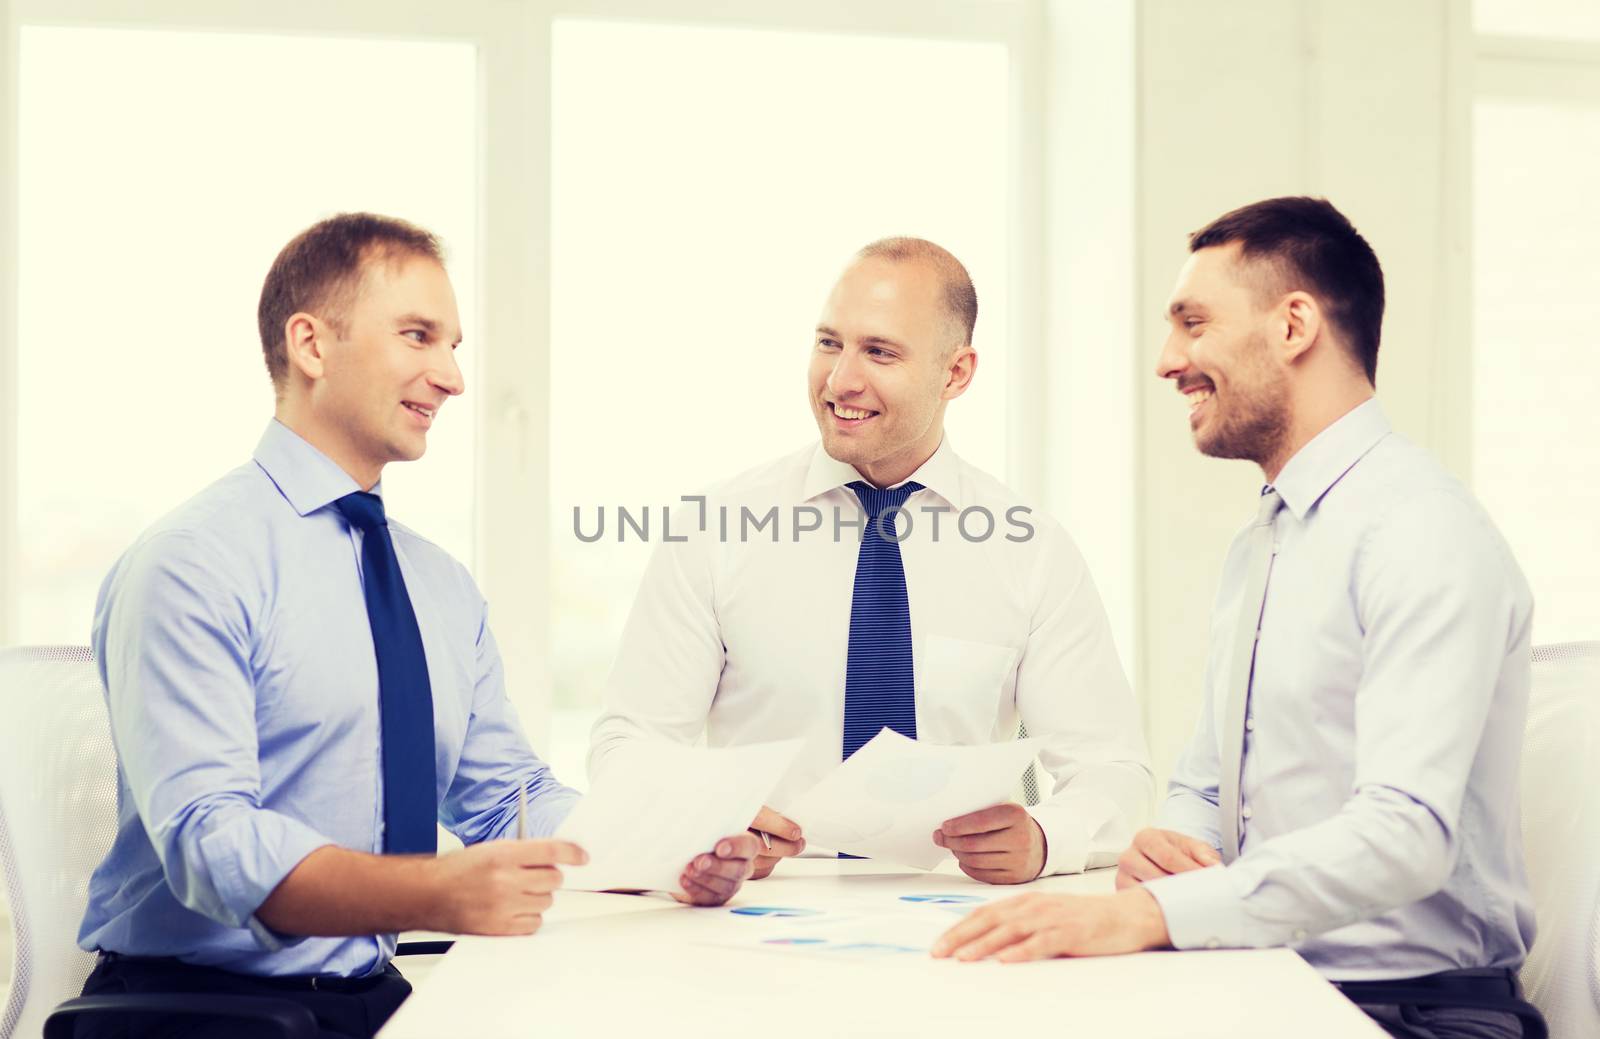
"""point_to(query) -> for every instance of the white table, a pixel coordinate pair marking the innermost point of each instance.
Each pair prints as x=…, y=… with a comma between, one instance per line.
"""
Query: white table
x=618, y=965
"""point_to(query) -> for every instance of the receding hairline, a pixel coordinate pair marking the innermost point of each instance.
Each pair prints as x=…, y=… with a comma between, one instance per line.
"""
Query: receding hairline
x=957, y=293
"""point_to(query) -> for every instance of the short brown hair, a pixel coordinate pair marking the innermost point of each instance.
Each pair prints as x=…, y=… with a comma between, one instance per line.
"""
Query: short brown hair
x=960, y=298
x=320, y=270
x=1315, y=248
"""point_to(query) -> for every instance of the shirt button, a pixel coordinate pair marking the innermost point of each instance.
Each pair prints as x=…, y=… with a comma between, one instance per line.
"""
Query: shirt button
x=1212, y=943
x=1299, y=934
x=1245, y=811
x=1250, y=724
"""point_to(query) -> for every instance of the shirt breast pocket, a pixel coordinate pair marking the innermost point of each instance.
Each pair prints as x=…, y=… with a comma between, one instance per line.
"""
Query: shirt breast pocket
x=959, y=685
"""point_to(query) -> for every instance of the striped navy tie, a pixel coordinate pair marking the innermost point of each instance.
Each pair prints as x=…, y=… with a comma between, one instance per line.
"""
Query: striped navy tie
x=405, y=695
x=878, y=686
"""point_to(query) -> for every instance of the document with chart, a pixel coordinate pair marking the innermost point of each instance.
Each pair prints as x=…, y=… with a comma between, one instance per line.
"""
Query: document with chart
x=889, y=797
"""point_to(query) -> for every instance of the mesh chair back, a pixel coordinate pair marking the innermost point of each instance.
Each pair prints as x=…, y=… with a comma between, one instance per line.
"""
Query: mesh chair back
x=58, y=815
x=1561, y=837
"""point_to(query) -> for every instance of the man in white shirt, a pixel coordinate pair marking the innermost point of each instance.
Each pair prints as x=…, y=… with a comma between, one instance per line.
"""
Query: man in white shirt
x=781, y=607
x=1352, y=788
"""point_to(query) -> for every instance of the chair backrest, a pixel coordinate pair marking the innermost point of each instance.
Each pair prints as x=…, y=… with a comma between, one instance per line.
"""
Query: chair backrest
x=58, y=815
x=1561, y=837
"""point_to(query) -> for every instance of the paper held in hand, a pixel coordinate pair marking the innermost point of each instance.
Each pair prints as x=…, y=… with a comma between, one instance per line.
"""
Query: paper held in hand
x=657, y=805
x=886, y=801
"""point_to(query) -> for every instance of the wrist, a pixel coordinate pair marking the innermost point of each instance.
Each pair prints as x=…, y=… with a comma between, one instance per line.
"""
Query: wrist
x=1041, y=846
x=1149, y=922
x=430, y=897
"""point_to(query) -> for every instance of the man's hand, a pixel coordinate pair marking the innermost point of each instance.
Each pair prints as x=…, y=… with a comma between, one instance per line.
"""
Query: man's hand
x=500, y=887
x=784, y=836
x=713, y=878
x=1036, y=927
x=1160, y=853
x=998, y=845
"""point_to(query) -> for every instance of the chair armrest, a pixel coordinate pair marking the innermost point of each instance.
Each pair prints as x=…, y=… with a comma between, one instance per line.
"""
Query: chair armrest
x=289, y=1019
x=422, y=948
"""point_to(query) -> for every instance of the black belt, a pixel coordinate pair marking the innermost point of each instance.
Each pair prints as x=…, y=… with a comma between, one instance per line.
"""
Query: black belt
x=290, y=982
x=1494, y=989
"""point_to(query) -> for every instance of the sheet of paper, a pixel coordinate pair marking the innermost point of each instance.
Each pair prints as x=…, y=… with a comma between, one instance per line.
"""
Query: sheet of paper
x=657, y=805
x=886, y=801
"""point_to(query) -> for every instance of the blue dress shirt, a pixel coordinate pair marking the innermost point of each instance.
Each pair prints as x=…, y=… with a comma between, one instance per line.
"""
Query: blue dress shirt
x=1380, y=829
x=242, y=687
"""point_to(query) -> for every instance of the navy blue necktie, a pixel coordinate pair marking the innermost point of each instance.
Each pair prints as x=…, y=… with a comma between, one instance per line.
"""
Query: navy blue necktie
x=405, y=696
x=878, y=686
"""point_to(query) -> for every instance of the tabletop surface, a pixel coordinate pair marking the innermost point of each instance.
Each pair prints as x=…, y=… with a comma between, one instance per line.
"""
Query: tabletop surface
x=827, y=948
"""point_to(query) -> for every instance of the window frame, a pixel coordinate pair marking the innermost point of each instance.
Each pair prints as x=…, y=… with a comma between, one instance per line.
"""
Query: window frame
x=513, y=40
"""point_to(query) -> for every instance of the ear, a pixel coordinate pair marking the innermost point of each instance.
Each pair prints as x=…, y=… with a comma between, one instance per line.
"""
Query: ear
x=1299, y=326
x=963, y=365
x=304, y=337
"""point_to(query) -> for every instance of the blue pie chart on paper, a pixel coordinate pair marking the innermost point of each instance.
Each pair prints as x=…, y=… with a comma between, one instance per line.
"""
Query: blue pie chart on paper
x=773, y=911
x=796, y=941
x=943, y=899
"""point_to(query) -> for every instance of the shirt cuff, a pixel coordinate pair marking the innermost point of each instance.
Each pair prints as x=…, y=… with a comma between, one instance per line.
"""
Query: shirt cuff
x=247, y=857
x=1066, y=836
x=1202, y=910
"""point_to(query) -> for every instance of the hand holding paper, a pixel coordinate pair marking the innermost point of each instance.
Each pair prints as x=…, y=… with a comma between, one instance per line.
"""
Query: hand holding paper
x=660, y=807
x=892, y=794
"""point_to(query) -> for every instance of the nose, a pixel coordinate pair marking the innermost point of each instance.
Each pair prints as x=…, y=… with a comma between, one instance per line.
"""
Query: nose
x=447, y=375
x=846, y=377
x=1174, y=358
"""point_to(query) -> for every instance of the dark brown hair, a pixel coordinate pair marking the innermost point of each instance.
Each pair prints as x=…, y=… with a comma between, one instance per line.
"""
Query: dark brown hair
x=1313, y=248
x=319, y=271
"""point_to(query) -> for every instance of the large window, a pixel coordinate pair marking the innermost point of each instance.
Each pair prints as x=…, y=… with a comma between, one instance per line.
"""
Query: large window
x=644, y=210
x=1536, y=224
x=159, y=174
x=696, y=230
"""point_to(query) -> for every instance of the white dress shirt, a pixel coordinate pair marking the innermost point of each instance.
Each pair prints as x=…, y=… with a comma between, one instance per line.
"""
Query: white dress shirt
x=745, y=641
x=1380, y=832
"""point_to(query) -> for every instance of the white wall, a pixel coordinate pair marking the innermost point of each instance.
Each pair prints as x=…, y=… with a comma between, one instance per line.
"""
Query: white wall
x=1364, y=102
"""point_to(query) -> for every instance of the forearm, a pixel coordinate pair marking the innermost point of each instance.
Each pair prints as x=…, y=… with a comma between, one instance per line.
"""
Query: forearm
x=1383, y=850
x=335, y=892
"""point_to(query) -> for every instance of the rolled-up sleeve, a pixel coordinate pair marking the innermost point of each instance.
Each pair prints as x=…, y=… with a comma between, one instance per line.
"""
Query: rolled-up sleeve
x=496, y=759
x=174, y=653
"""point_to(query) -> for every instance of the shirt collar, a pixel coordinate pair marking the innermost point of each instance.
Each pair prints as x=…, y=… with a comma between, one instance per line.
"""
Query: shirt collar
x=941, y=474
x=306, y=477
x=1316, y=467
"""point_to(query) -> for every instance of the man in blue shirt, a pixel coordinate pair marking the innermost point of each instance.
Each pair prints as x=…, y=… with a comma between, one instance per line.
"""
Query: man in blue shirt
x=1351, y=791
x=300, y=689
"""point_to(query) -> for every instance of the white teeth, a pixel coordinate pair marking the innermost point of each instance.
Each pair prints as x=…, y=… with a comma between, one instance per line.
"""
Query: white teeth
x=1198, y=397
x=419, y=410
x=849, y=413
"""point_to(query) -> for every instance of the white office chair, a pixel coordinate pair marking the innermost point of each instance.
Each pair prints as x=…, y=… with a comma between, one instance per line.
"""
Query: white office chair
x=1561, y=837
x=58, y=816
x=58, y=813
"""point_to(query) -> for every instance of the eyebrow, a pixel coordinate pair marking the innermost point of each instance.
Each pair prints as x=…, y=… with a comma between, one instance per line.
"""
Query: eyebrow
x=865, y=340
x=428, y=324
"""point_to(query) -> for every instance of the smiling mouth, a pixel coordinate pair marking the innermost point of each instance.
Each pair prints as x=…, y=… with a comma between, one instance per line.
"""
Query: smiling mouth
x=848, y=416
x=418, y=409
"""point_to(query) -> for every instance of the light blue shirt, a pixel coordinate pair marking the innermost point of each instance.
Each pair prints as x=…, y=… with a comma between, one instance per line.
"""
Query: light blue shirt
x=1381, y=836
x=242, y=687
